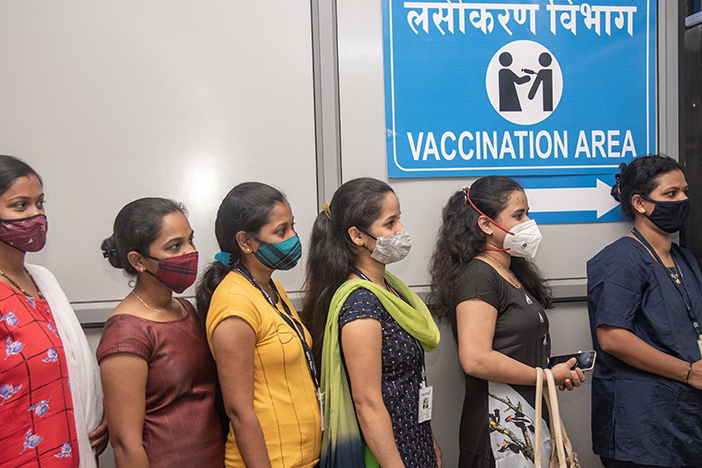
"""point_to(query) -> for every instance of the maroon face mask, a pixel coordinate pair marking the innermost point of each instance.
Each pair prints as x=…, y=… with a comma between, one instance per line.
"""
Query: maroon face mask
x=176, y=273
x=26, y=234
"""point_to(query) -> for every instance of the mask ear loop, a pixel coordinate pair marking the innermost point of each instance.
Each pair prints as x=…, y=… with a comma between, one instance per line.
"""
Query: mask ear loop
x=466, y=194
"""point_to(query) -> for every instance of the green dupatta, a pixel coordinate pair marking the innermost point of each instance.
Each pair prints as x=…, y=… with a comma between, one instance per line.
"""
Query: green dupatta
x=342, y=445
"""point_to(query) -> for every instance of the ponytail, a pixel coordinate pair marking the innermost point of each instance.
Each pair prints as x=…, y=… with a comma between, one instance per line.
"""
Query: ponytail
x=332, y=255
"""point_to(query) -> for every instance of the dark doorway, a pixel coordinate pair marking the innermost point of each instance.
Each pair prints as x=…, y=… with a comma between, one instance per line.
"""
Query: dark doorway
x=691, y=120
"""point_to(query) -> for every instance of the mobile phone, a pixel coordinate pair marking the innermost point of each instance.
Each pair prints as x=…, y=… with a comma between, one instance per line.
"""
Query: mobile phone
x=586, y=359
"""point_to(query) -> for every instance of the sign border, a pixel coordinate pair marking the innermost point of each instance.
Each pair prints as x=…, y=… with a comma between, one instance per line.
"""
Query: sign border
x=516, y=168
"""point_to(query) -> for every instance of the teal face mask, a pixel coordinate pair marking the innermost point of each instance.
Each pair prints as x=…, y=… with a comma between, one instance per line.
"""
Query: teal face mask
x=281, y=255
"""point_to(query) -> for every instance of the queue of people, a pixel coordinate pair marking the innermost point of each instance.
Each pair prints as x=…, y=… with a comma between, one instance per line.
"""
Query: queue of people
x=241, y=378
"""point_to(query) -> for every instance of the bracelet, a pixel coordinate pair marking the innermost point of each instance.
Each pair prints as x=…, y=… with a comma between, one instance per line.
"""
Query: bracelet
x=689, y=369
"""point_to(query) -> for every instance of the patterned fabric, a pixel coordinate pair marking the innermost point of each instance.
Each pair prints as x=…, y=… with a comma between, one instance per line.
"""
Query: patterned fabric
x=280, y=255
x=36, y=410
x=342, y=445
x=402, y=358
x=26, y=235
x=177, y=273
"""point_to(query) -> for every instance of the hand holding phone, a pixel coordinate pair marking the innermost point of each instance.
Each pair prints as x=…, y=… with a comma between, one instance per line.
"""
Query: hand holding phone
x=585, y=359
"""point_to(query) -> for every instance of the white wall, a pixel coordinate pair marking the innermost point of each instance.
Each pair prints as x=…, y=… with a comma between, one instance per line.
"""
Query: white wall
x=112, y=101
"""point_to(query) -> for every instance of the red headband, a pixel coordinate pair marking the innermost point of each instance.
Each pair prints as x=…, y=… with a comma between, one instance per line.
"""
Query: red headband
x=466, y=193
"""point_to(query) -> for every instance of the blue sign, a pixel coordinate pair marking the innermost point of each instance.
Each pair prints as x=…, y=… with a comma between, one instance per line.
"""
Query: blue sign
x=520, y=88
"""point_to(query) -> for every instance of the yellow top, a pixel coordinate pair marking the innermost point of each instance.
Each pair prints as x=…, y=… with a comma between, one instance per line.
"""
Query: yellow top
x=285, y=401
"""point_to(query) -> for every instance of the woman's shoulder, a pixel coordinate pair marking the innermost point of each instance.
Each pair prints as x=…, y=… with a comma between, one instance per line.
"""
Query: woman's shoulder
x=361, y=296
x=235, y=291
x=361, y=303
x=625, y=253
x=478, y=270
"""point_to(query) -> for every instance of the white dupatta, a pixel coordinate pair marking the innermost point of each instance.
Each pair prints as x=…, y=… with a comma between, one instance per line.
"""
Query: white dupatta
x=83, y=370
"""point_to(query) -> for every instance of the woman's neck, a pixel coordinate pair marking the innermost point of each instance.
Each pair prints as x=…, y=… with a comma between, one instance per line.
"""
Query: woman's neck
x=152, y=292
x=260, y=273
x=659, y=240
x=372, y=268
x=11, y=260
x=500, y=257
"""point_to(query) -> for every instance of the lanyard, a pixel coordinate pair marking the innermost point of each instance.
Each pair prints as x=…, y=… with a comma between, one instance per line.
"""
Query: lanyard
x=287, y=317
x=363, y=276
x=680, y=288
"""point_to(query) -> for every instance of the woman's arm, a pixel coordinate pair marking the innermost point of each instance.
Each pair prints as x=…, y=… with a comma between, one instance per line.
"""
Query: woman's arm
x=629, y=348
x=124, y=385
x=361, y=341
x=476, y=321
x=234, y=342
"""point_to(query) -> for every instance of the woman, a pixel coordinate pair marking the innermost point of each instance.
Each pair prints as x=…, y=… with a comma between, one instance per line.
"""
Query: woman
x=159, y=379
x=645, y=304
x=494, y=297
x=262, y=350
x=50, y=396
x=374, y=331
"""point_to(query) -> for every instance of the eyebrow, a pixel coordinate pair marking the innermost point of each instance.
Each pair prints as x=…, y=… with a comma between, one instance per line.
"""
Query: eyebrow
x=177, y=238
x=25, y=197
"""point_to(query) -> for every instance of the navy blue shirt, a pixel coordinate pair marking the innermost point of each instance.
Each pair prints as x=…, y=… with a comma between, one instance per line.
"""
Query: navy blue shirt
x=638, y=416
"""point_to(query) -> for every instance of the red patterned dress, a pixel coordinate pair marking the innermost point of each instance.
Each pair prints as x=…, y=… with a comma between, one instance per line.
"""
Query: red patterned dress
x=37, y=426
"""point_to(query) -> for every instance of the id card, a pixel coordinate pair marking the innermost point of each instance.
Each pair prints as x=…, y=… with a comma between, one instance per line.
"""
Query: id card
x=426, y=400
x=699, y=345
x=320, y=398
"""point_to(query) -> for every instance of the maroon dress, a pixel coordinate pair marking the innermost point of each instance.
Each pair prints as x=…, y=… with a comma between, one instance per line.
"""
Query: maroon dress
x=181, y=423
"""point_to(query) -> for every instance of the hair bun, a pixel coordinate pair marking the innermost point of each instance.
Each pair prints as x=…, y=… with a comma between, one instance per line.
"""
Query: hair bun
x=616, y=191
x=109, y=251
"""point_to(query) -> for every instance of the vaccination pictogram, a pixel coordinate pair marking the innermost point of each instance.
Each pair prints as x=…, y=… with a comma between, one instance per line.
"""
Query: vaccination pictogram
x=524, y=82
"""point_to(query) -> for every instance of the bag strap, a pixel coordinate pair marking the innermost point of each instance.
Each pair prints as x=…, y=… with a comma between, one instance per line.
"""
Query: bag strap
x=556, y=429
x=539, y=410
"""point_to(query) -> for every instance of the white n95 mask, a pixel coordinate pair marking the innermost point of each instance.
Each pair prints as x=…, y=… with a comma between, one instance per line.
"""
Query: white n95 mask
x=523, y=240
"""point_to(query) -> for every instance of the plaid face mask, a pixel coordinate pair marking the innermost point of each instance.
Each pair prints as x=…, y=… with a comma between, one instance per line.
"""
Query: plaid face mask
x=176, y=273
x=26, y=234
x=280, y=255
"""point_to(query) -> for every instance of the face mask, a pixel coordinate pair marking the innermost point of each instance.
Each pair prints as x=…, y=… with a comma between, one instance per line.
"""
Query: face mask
x=280, y=255
x=27, y=234
x=669, y=216
x=523, y=240
x=176, y=273
x=391, y=249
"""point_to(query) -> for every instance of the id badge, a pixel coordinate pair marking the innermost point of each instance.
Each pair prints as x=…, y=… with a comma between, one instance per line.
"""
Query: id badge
x=320, y=398
x=426, y=400
x=699, y=345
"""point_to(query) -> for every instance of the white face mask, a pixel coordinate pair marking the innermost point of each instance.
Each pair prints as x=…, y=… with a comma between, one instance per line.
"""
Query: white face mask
x=392, y=249
x=524, y=240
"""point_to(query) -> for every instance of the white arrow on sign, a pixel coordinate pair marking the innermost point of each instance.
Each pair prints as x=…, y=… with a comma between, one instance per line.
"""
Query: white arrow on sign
x=596, y=198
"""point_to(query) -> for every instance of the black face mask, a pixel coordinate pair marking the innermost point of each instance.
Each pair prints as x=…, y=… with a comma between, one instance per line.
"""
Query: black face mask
x=669, y=216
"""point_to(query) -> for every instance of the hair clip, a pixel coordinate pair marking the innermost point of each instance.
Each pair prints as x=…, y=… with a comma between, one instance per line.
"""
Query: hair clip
x=107, y=253
x=326, y=210
x=225, y=258
x=465, y=194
